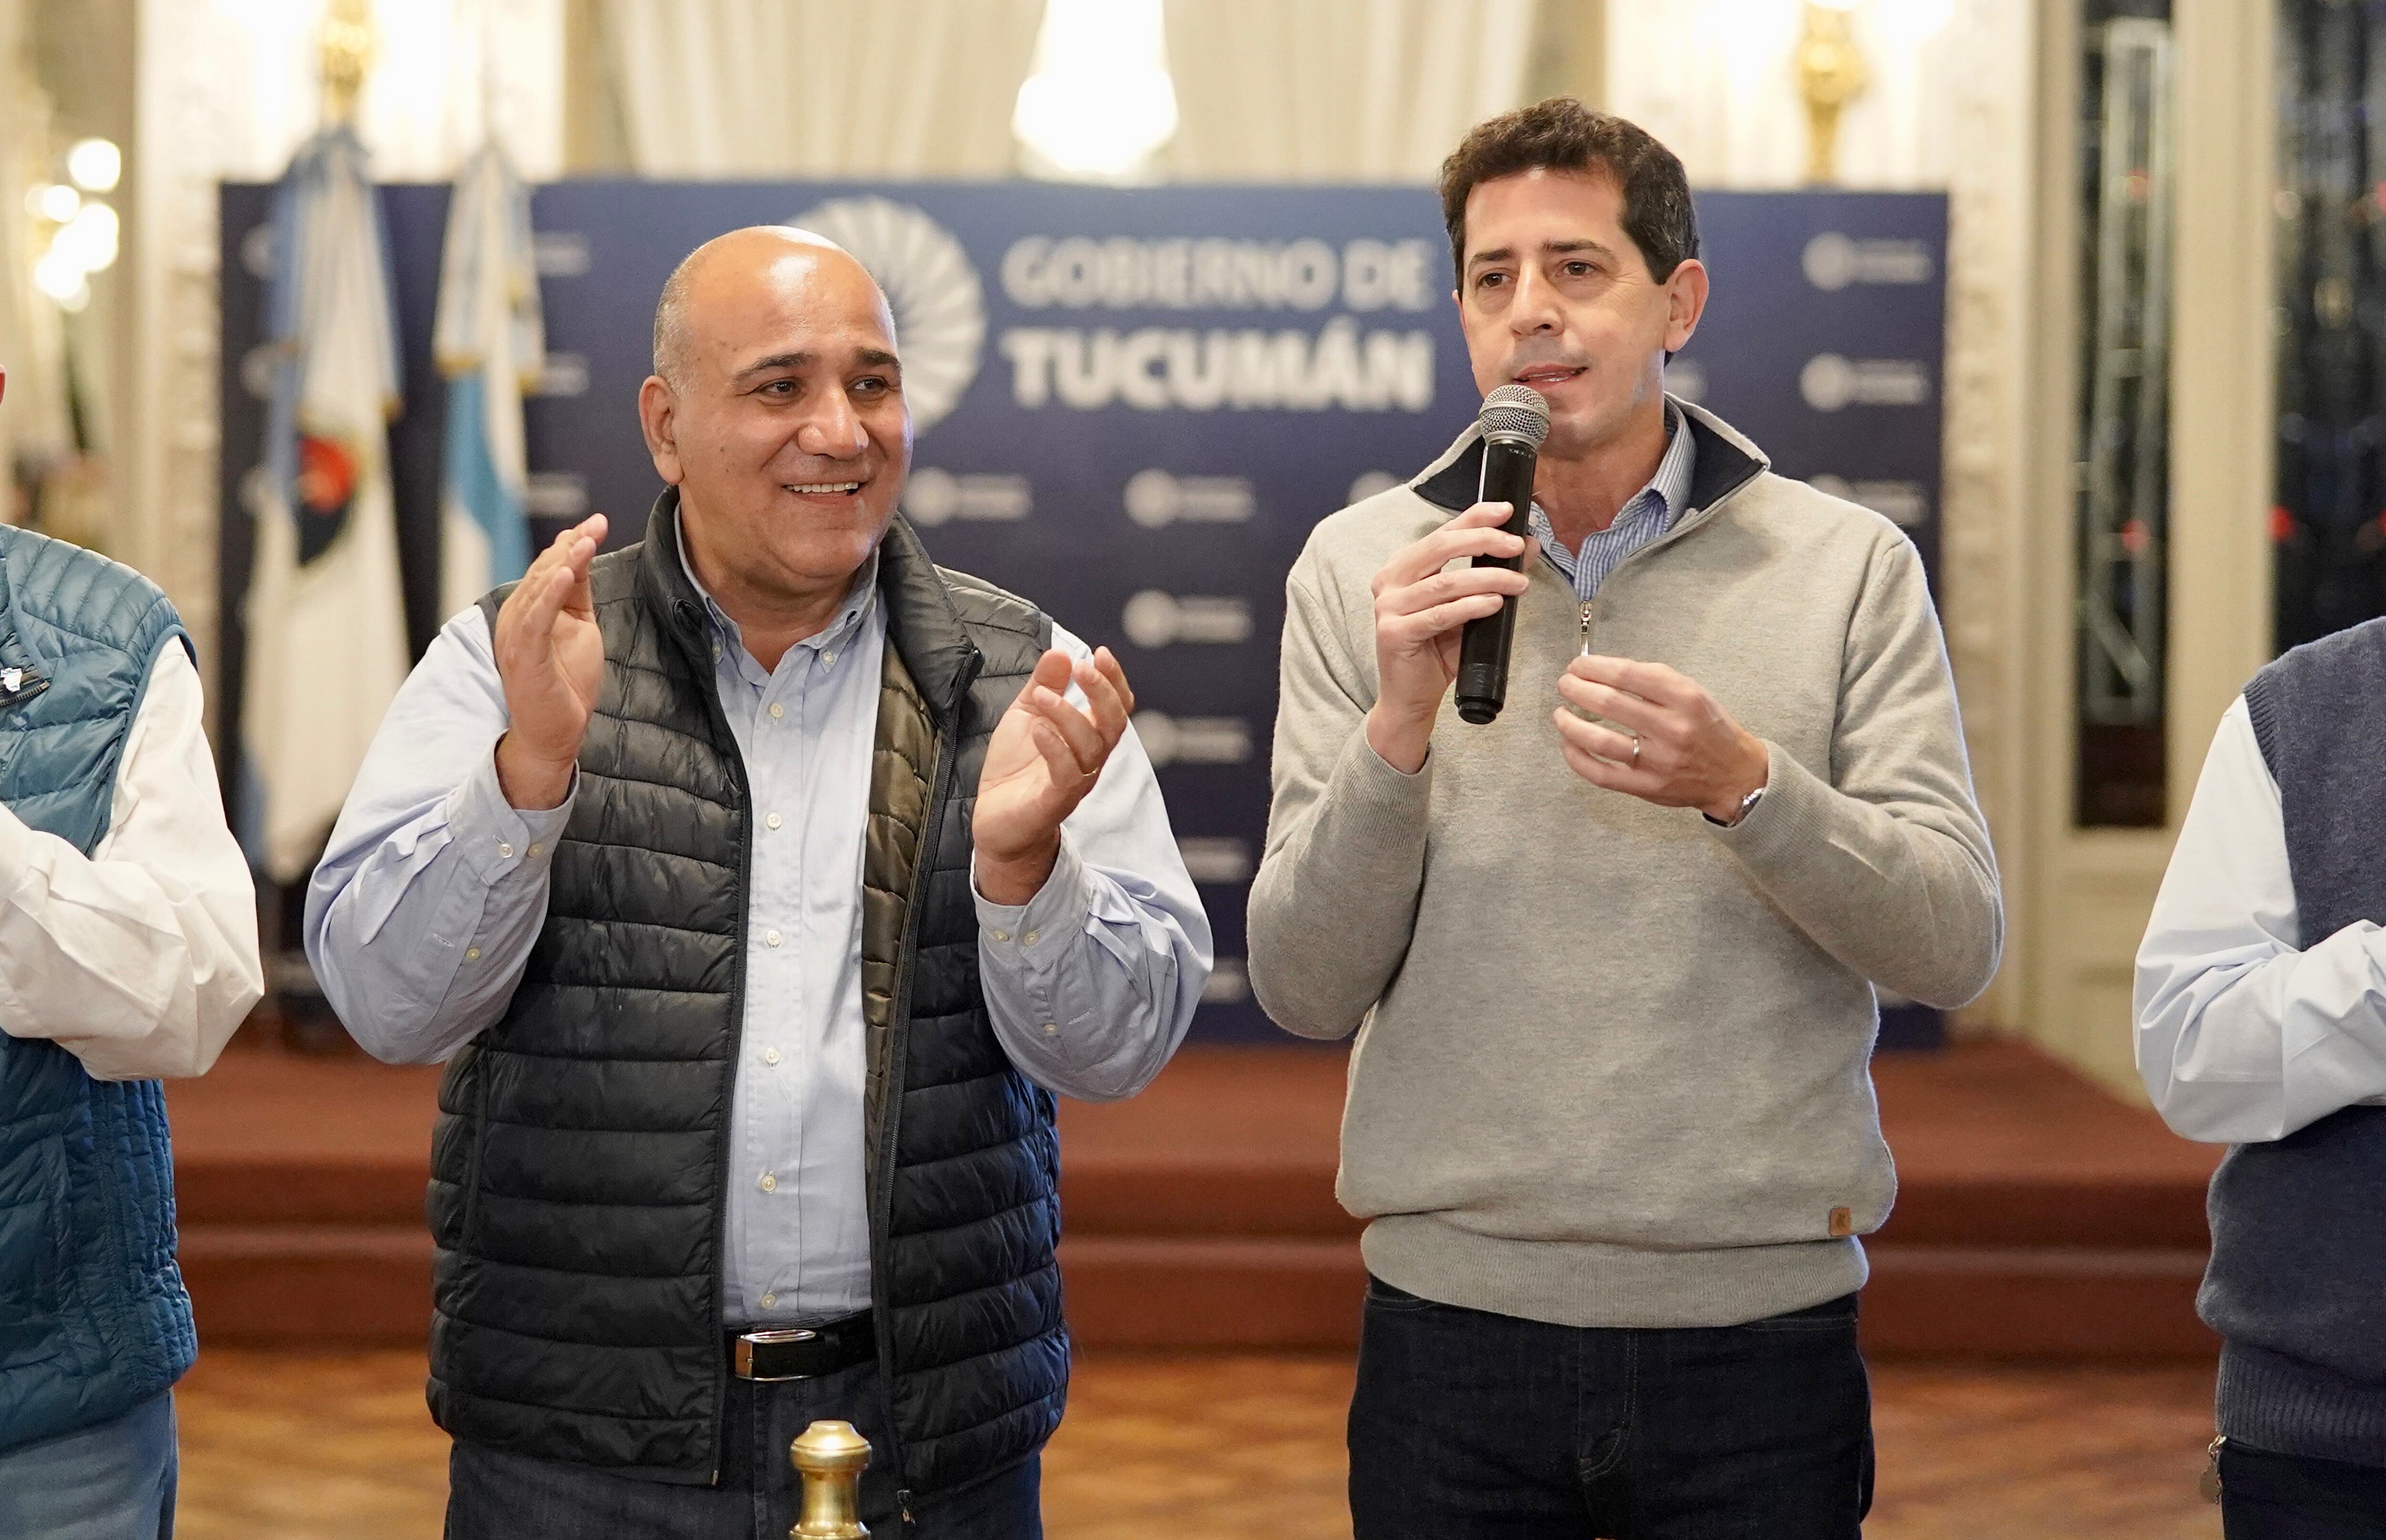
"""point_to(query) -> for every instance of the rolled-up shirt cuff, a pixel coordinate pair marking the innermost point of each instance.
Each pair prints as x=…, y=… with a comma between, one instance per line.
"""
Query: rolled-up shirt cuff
x=1037, y=933
x=497, y=839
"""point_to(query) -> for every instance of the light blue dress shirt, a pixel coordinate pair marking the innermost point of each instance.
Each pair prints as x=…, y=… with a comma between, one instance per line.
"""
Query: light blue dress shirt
x=1653, y=510
x=433, y=890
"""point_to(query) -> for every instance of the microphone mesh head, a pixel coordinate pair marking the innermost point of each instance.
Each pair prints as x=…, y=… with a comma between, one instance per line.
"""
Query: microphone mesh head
x=1516, y=412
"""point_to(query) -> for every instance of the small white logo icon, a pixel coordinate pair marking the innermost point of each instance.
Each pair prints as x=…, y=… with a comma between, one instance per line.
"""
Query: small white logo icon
x=1830, y=382
x=1156, y=499
x=1154, y=618
x=934, y=496
x=1192, y=740
x=1832, y=261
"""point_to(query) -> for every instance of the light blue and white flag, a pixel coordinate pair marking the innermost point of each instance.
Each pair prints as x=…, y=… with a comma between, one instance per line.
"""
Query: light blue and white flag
x=326, y=617
x=490, y=341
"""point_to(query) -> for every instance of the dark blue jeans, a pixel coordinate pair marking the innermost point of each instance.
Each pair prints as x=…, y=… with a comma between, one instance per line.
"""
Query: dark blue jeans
x=495, y=1495
x=2269, y=1497
x=1469, y=1425
x=114, y=1482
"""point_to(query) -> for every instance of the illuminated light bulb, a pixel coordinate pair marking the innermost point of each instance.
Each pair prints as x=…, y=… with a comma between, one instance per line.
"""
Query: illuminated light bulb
x=89, y=239
x=58, y=202
x=95, y=165
x=56, y=275
x=1100, y=99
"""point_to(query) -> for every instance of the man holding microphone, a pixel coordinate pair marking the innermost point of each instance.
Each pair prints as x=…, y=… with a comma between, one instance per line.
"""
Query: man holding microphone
x=1613, y=956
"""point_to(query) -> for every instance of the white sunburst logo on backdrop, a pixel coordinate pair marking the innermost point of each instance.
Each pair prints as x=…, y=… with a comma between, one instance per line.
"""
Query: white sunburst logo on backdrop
x=931, y=286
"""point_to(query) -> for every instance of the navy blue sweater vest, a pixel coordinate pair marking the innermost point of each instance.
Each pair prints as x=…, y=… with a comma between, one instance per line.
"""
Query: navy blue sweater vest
x=2297, y=1283
x=93, y=1319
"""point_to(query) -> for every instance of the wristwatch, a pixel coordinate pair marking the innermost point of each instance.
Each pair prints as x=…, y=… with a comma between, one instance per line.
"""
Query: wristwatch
x=1740, y=814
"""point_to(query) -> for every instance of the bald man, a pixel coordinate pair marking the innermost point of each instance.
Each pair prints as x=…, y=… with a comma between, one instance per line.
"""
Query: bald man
x=759, y=884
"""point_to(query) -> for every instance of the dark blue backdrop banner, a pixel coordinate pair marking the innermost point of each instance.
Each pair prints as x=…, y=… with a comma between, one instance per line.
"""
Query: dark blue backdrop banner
x=1134, y=404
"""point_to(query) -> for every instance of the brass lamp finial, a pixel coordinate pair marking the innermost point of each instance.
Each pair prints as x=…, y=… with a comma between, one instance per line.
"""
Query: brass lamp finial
x=346, y=51
x=830, y=1455
x=1830, y=74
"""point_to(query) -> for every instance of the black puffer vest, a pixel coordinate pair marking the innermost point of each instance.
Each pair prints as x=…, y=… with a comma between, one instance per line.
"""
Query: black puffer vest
x=579, y=1166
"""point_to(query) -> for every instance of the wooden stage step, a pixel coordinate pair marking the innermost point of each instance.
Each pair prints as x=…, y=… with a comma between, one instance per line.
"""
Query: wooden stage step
x=2036, y=1216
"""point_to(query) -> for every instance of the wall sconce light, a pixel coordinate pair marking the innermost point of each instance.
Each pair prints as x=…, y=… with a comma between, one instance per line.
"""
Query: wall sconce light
x=1831, y=73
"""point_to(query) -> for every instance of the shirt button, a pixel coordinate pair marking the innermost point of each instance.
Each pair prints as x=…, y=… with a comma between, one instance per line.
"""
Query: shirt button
x=770, y=1301
x=1029, y=938
x=777, y=710
x=534, y=850
x=504, y=849
x=772, y=821
x=1002, y=935
x=1051, y=1029
x=828, y=658
x=770, y=1056
x=769, y=938
x=770, y=1182
x=472, y=954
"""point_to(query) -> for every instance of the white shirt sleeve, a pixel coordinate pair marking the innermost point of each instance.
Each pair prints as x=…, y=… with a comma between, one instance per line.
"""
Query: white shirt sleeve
x=2242, y=1037
x=142, y=960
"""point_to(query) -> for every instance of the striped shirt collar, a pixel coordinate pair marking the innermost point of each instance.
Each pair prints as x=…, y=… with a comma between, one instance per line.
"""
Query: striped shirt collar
x=1650, y=513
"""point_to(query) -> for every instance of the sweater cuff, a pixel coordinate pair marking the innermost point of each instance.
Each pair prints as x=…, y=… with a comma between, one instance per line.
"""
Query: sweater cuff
x=1789, y=823
x=1378, y=803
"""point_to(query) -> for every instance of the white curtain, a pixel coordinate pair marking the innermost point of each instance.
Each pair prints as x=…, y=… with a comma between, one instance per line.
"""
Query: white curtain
x=1338, y=89
x=824, y=88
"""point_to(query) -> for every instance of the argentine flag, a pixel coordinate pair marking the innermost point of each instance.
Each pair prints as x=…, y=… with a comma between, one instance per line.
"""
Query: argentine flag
x=325, y=617
x=490, y=344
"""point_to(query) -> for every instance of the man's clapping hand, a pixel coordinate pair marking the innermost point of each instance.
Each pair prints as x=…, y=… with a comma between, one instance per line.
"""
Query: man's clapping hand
x=551, y=661
x=1044, y=756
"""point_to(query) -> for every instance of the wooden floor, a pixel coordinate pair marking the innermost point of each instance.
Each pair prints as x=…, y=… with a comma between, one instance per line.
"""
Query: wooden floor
x=280, y=1447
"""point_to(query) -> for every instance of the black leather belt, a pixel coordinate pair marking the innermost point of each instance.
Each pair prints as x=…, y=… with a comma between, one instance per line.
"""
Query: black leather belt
x=802, y=1352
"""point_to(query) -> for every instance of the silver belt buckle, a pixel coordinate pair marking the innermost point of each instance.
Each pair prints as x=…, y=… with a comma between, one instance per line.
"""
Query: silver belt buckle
x=771, y=1337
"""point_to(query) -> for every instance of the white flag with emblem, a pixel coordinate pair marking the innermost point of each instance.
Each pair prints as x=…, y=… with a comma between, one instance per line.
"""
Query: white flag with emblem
x=325, y=616
x=490, y=340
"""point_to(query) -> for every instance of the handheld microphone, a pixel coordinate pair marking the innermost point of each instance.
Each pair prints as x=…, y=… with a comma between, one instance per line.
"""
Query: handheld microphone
x=1516, y=420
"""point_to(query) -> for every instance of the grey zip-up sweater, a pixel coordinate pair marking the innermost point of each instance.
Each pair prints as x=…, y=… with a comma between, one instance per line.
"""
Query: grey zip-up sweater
x=1613, y=1064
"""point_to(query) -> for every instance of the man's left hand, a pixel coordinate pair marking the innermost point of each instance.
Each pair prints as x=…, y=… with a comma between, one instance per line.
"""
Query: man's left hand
x=1045, y=757
x=1671, y=742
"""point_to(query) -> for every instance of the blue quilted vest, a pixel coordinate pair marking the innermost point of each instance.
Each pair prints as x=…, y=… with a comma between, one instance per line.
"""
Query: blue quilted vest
x=94, y=1319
